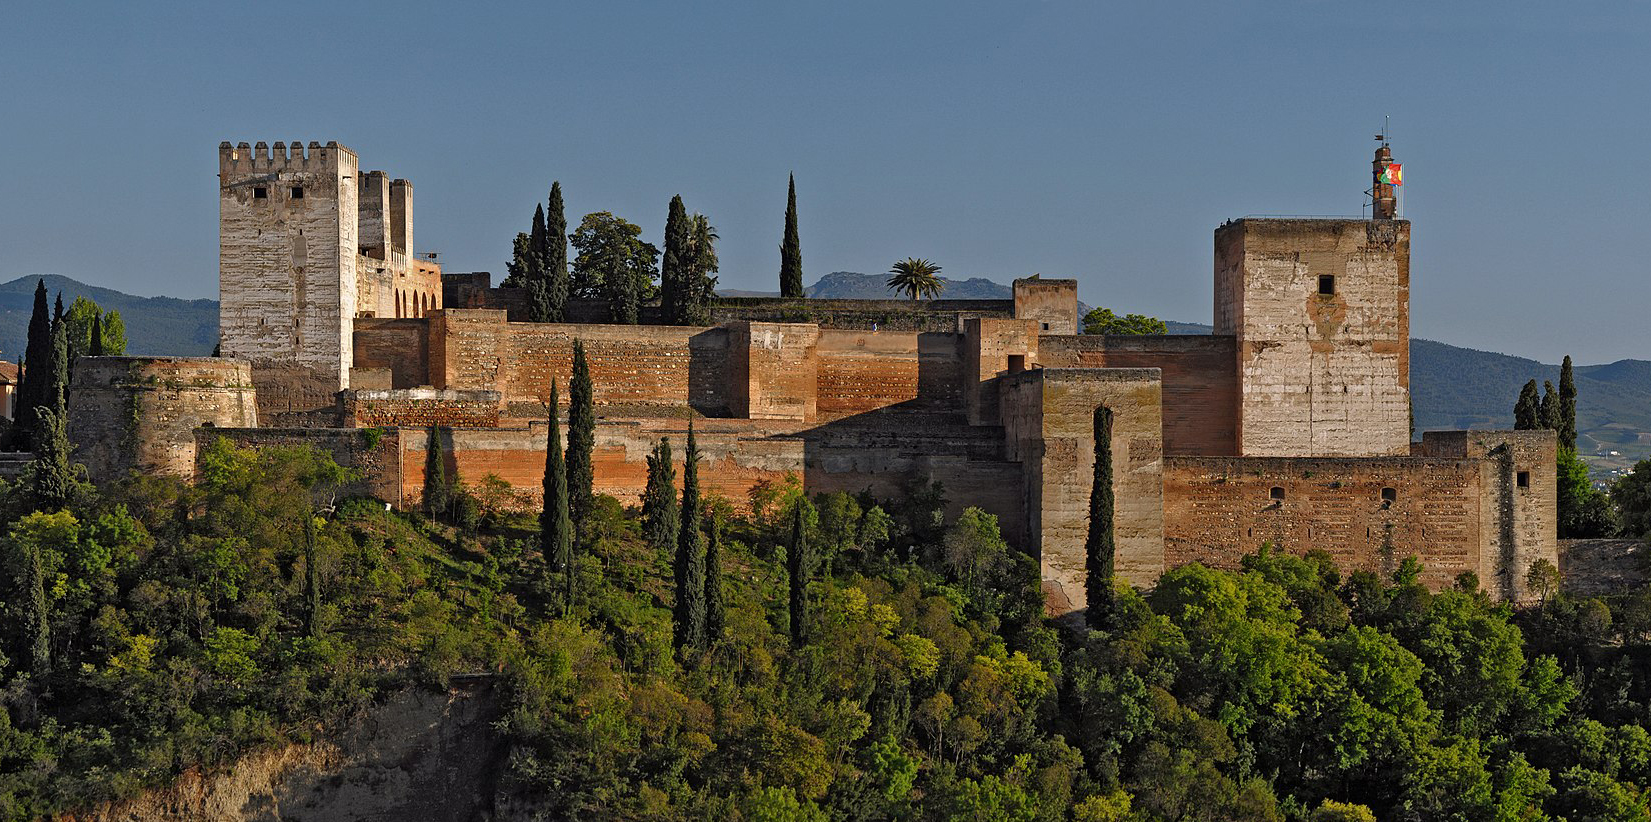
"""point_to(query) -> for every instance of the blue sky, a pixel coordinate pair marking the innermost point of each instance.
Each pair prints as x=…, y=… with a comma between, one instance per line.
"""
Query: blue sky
x=1102, y=141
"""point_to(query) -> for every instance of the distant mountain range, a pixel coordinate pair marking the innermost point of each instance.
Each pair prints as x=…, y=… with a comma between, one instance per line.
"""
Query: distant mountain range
x=1453, y=387
x=154, y=325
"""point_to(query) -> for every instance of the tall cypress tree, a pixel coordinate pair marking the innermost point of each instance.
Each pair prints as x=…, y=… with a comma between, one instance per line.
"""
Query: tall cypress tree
x=660, y=520
x=791, y=248
x=1567, y=405
x=51, y=477
x=799, y=561
x=690, y=555
x=581, y=438
x=1527, y=412
x=716, y=618
x=1548, y=409
x=539, y=304
x=95, y=348
x=58, y=391
x=559, y=285
x=1101, y=548
x=36, y=620
x=674, y=295
x=555, y=521
x=437, y=498
x=32, y=394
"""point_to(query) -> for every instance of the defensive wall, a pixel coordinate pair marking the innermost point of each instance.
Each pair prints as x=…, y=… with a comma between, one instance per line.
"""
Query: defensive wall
x=140, y=413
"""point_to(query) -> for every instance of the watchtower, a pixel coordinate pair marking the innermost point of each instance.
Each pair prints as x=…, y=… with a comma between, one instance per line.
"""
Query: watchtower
x=1320, y=309
x=287, y=249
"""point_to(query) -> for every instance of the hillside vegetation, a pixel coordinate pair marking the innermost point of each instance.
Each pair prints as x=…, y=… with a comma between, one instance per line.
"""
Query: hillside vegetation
x=154, y=325
x=189, y=626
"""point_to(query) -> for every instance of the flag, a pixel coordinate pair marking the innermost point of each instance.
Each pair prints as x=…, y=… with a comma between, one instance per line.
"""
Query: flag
x=1393, y=175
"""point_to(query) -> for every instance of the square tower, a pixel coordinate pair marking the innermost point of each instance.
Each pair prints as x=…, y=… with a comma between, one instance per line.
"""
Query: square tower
x=1320, y=309
x=287, y=246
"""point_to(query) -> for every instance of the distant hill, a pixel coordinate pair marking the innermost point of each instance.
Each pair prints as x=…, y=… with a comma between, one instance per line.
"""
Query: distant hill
x=154, y=325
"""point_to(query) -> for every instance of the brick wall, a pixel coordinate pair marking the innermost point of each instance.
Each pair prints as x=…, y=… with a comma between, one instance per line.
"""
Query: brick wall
x=1200, y=381
x=420, y=407
x=775, y=370
x=861, y=371
x=402, y=346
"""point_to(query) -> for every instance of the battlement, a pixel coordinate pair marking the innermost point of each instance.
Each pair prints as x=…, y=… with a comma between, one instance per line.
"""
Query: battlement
x=245, y=159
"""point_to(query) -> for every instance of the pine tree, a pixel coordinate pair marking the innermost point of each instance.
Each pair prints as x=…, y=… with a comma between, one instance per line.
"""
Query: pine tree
x=1527, y=412
x=1548, y=409
x=800, y=567
x=95, y=349
x=716, y=618
x=35, y=618
x=437, y=491
x=674, y=296
x=312, y=578
x=555, y=521
x=1101, y=548
x=690, y=555
x=1567, y=405
x=791, y=249
x=660, y=518
x=581, y=438
x=556, y=256
x=33, y=392
x=51, y=476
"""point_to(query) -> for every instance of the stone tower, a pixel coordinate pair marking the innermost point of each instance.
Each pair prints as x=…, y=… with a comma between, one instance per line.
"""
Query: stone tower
x=1320, y=309
x=287, y=249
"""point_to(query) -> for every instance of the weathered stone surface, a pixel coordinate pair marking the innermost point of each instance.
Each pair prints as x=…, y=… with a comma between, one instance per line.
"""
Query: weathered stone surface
x=139, y=413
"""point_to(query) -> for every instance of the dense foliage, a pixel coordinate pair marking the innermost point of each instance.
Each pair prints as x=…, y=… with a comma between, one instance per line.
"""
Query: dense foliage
x=1103, y=321
x=159, y=626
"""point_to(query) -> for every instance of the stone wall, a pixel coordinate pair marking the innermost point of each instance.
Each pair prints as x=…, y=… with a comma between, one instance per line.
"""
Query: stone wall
x=1200, y=381
x=140, y=413
x=1520, y=487
x=773, y=371
x=862, y=371
x=402, y=346
x=1052, y=304
x=993, y=348
x=420, y=407
x=1321, y=312
x=1049, y=422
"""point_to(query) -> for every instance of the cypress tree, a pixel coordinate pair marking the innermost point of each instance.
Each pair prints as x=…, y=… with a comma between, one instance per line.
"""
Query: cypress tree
x=791, y=249
x=35, y=621
x=58, y=390
x=312, y=578
x=1567, y=405
x=674, y=292
x=1527, y=412
x=581, y=438
x=556, y=256
x=716, y=619
x=555, y=523
x=95, y=349
x=1100, y=549
x=51, y=477
x=536, y=237
x=690, y=555
x=437, y=498
x=1548, y=410
x=539, y=307
x=521, y=261
x=32, y=393
x=660, y=519
x=800, y=566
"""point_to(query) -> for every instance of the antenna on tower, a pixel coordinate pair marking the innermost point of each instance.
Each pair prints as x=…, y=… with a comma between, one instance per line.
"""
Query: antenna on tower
x=1382, y=136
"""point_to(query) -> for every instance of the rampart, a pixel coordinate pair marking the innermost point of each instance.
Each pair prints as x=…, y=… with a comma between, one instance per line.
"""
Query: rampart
x=139, y=413
x=1200, y=381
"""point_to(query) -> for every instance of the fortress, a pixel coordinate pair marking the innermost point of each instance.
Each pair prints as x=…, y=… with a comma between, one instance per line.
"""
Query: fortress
x=1289, y=424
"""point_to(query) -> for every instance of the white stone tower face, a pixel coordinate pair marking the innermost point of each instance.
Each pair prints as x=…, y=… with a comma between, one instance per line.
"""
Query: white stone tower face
x=287, y=244
x=1321, y=312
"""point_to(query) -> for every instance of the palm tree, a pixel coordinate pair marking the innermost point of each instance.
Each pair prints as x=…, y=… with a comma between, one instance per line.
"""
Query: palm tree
x=916, y=277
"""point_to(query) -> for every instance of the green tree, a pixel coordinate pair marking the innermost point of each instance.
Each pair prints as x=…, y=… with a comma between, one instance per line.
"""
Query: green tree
x=312, y=579
x=1584, y=511
x=95, y=345
x=917, y=277
x=660, y=516
x=438, y=489
x=1567, y=405
x=716, y=616
x=1631, y=494
x=33, y=613
x=702, y=263
x=51, y=477
x=800, y=570
x=35, y=391
x=614, y=264
x=690, y=555
x=791, y=247
x=1332, y=811
x=540, y=304
x=581, y=438
x=1100, y=548
x=1527, y=412
x=86, y=320
x=673, y=266
x=555, y=520
x=1548, y=407
x=1103, y=321
x=555, y=253
x=1543, y=577
x=524, y=263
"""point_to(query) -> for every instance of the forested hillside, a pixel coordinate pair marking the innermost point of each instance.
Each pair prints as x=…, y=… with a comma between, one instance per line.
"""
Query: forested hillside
x=154, y=325
x=158, y=627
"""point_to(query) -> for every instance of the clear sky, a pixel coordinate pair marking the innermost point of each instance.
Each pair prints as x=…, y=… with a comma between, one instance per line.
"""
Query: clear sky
x=1102, y=141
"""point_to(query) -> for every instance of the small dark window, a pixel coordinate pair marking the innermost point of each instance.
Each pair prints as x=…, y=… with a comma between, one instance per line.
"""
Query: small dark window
x=1046, y=326
x=1278, y=493
x=260, y=193
x=1327, y=284
x=1389, y=495
x=1523, y=479
x=1017, y=363
x=298, y=192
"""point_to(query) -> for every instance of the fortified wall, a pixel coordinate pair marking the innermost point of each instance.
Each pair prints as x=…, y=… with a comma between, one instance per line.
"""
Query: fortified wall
x=1288, y=425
